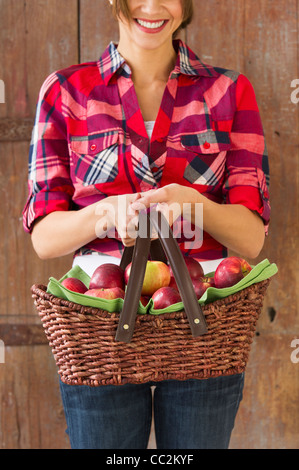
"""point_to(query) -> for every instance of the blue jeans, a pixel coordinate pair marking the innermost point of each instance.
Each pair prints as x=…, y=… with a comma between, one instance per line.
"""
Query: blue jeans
x=192, y=414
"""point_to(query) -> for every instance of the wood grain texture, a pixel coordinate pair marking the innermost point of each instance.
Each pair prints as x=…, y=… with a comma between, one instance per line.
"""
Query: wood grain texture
x=97, y=28
x=259, y=38
x=16, y=130
x=31, y=413
x=256, y=37
x=22, y=335
x=268, y=417
x=37, y=37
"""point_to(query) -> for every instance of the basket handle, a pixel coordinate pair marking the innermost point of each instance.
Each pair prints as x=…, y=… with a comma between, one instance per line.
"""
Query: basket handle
x=140, y=257
x=156, y=253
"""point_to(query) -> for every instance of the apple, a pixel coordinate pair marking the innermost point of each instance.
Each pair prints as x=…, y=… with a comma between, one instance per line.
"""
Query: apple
x=246, y=268
x=110, y=293
x=106, y=276
x=74, y=285
x=194, y=267
x=210, y=281
x=228, y=273
x=165, y=296
x=144, y=300
x=202, y=284
x=199, y=286
x=173, y=283
x=157, y=274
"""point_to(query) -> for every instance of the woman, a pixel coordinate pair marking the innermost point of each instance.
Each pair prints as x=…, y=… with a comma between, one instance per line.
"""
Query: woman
x=148, y=123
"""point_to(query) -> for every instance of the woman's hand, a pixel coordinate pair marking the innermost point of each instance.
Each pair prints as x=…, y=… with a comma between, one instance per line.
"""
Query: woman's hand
x=171, y=201
x=115, y=212
x=63, y=232
x=233, y=225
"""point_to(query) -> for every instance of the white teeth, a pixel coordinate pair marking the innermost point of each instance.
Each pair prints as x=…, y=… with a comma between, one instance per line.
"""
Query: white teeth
x=146, y=24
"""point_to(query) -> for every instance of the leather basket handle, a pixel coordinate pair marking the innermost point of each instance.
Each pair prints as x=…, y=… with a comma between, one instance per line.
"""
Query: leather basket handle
x=143, y=247
x=140, y=256
x=126, y=257
x=156, y=254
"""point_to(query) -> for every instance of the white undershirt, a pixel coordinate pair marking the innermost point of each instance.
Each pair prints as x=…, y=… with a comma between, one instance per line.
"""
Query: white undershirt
x=149, y=126
x=89, y=263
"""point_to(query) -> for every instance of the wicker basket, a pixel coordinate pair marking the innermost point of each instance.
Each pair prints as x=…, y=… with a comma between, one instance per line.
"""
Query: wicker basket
x=162, y=348
x=94, y=347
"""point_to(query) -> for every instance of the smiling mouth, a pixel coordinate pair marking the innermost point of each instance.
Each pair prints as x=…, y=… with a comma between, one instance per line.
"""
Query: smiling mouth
x=151, y=25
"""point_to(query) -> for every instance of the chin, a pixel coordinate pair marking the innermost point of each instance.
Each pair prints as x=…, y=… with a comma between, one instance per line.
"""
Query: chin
x=150, y=43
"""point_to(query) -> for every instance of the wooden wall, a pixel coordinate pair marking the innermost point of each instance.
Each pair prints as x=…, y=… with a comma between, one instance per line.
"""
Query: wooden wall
x=256, y=37
x=260, y=39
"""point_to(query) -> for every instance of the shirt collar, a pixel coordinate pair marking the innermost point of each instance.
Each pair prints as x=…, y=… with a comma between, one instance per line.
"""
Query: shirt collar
x=189, y=64
x=111, y=62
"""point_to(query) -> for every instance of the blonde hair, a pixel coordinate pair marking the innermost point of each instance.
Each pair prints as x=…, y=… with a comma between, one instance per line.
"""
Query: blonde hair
x=121, y=7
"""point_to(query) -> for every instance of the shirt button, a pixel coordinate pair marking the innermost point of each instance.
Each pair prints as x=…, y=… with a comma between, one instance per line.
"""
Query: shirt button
x=93, y=147
x=160, y=140
x=155, y=169
x=206, y=145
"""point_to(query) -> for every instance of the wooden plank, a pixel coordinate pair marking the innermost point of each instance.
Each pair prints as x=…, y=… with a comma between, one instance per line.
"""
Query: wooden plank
x=97, y=28
x=216, y=33
x=15, y=130
x=31, y=412
x=35, y=41
x=268, y=417
x=260, y=39
x=23, y=268
x=22, y=335
x=58, y=38
x=271, y=52
x=37, y=37
x=256, y=37
x=13, y=64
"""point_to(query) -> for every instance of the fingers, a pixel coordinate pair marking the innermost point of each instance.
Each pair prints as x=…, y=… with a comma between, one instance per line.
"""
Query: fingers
x=122, y=212
x=128, y=242
x=149, y=197
x=134, y=197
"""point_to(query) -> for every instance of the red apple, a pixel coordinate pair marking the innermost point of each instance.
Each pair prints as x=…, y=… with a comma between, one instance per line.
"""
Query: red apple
x=144, y=300
x=106, y=276
x=110, y=293
x=173, y=283
x=74, y=285
x=228, y=273
x=210, y=281
x=156, y=275
x=194, y=267
x=201, y=285
x=246, y=268
x=165, y=296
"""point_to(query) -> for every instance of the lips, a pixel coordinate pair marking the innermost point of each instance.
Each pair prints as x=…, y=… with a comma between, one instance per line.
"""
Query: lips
x=150, y=26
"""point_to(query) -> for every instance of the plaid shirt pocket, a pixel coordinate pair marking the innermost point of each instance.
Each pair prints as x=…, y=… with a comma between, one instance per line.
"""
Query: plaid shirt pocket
x=206, y=153
x=95, y=157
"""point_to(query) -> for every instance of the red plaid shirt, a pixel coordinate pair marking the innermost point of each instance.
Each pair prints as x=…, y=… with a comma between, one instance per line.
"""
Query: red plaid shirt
x=89, y=141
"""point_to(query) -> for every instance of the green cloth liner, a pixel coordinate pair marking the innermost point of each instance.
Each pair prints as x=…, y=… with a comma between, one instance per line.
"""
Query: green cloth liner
x=260, y=272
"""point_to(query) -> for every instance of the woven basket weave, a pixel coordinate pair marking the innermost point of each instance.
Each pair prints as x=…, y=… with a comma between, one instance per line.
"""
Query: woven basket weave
x=162, y=348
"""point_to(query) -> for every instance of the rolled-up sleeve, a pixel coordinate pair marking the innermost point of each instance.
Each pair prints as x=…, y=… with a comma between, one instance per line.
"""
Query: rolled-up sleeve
x=50, y=187
x=247, y=168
